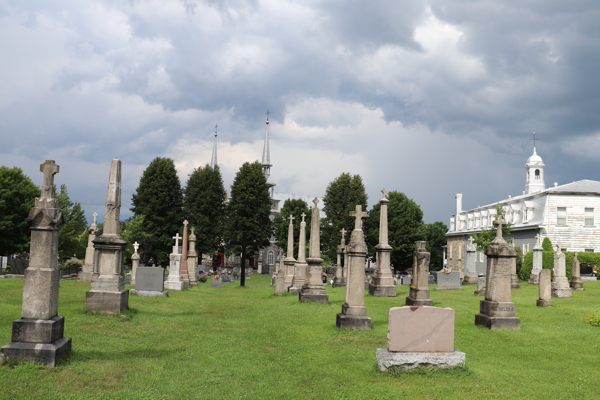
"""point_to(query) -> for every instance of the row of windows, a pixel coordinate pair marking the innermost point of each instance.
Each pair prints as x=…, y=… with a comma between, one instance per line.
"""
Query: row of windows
x=561, y=216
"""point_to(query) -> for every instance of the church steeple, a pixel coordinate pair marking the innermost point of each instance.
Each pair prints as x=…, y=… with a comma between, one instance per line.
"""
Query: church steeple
x=534, y=172
x=213, y=160
x=266, y=157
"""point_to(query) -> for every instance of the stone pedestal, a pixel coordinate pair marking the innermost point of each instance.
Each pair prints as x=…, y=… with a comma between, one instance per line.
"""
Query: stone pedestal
x=289, y=265
x=174, y=280
x=419, y=289
x=560, y=282
x=382, y=282
x=545, y=288
x=135, y=263
x=498, y=311
x=340, y=279
x=313, y=289
x=470, y=263
x=480, y=286
x=299, y=276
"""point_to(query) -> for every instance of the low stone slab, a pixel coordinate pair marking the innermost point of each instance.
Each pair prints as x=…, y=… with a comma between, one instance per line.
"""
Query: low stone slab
x=448, y=281
x=386, y=359
x=47, y=354
x=589, y=278
x=406, y=280
x=421, y=329
x=150, y=279
x=227, y=278
x=217, y=282
x=148, y=293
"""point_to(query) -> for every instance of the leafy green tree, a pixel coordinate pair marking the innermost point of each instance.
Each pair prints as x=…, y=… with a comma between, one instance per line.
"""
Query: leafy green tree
x=405, y=227
x=547, y=244
x=17, y=196
x=435, y=234
x=204, y=207
x=74, y=227
x=342, y=195
x=249, y=208
x=159, y=199
x=485, y=237
x=294, y=207
x=132, y=230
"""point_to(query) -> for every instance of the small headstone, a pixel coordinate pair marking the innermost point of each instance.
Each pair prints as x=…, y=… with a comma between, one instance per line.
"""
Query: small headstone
x=406, y=280
x=218, y=282
x=576, y=282
x=227, y=278
x=149, y=282
x=480, y=285
x=471, y=262
x=538, y=254
x=560, y=282
x=545, y=277
x=431, y=279
x=448, y=281
x=279, y=284
x=419, y=294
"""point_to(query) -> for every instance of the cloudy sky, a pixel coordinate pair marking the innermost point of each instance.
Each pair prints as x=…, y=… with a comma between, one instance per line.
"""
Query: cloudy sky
x=430, y=98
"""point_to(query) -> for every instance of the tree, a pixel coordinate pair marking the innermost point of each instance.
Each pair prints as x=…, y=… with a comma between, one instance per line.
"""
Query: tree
x=484, y=238
x=547, y=244
x=132, y=230
x=17, y=197
x=435, y=234
x=249, y=208
x=159, y=199
x=342, y=195
x=405, y=227
x=204, y=207
x=294, y=207
x=74, y=227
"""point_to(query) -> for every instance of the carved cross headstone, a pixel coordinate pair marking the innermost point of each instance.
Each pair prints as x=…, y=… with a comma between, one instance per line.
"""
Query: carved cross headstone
x=136, y=245
x=499, y=222
x=94, y=215
x=49, y=168
x=193, y=228
x=291, y=218
x=185, y=222
x=385, y=193
x=359, y=213
x=315, y=201
x=177, y=237
x=303, y=215
x=537, y=238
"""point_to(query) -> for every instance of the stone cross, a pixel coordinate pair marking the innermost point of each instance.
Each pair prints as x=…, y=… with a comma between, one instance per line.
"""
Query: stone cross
x=359, y=213
x=470, y=240
x=537, y=238
x=135, y=246
x=315, y=201
x=343, y=232
x=500, y=221
x=385, y=193
x=193, y=230
x=177, y=237
x=291, y=218
x=94, y=215
x=185, y=223
x=303, y=215
x=49, y=168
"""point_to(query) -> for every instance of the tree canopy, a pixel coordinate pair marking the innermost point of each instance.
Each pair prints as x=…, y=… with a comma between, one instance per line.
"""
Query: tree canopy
x=342, y=195
x=159, y=199
x=405, y=227
x=17, y=197
x=70, y=241
x=132, y=230
x=204, y=207
x=294, y=207
x=249, y=208
x=435, y=234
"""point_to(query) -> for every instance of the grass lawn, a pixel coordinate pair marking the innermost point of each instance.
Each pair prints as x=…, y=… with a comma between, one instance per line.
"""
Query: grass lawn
x=232, y=342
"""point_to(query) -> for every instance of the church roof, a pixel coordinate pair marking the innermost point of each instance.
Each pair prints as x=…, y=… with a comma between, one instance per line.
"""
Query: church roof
x=583, y=186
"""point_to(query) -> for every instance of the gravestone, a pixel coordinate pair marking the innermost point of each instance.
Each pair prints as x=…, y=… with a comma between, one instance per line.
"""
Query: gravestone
x=471, y=262
x=586, y=271
x=19, y=264
x=217, y=282
x=300, y=267
x=431, y=279
x=514, y=278
x=448, y=281
x=313, y=289
x=150, y=282
x=227, y=278
x=382, y=282
x=87, y=270
x=560, y=282
x=538, y=258
x=340, y=278
x=576, y=282
x=419, y=289
x=174, y=279
x=420, y=337
x=407, y=280
x=183, y=264
x=38, y=334
x=545, y=277
x=498, y=311
x=192, y=259
x=108, y=294
x=480, y=285
x=135, y=262
x=354, y=312
x=290, y=262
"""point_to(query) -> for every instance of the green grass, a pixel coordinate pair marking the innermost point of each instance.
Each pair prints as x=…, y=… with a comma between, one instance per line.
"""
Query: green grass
x=232, y=342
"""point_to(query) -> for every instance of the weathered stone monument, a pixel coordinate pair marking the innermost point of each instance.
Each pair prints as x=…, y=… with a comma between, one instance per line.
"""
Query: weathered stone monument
x=382, y=282
x=560, y=282
x=576, y=282
x=108, y=292
x=38, y=334
x=87, y=270
x=192, y=259
x=354, y=312
x=340, y=278
x=480, y=285
x=301, y=265
x=184, y=255
x=290, y=261
x=514, y=278
x=135, y=262
x=419, y=289
x=470, y=262
x=538, y=258
x=175, y=280
x=420, y=337
x=313, y=289
x=544, y=279
x=498, y=311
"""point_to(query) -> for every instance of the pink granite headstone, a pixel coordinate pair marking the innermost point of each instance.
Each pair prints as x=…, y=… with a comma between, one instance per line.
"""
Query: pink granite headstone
x=421, y=329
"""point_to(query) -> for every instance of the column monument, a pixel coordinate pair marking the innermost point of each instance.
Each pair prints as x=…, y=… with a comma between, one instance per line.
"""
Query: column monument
x=382, y=283
x=88, y=267
x=313, y=289
x=340, y=277
x=192, y=259
x=289, y=261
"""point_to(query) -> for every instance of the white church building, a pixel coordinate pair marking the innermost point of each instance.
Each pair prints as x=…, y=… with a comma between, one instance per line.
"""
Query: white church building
x=568, y=214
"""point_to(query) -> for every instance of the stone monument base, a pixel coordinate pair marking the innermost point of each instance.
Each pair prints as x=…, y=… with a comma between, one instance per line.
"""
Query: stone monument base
x=448, y=287
x=106, y=302
x=577, y=285
x=589, y=278
x=279, y=285
x=174, y=285
x=411, y=301
x=479, y=292
x=534, y=279
x=470, y=279
x=543, y=303
x=84, y=276
x=382, y=290
x=562, y=292
x=45, y=353
x=497, y=322
x=410, y=360
x=353, y=321
x=337, y=282
x=514, y=282
x=313, y=293
x=148, y=293
x=293, y=289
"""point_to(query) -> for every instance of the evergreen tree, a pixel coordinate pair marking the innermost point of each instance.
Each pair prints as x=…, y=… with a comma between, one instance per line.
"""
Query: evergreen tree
x=159, y=199
x=435, y=234
x=547, y=244
x=17, y=197
x=74, y=227
x=405, y=227
x=132, y=230
x=343, y=194
x=249, y=208
x=204, y=207
x=294, y=207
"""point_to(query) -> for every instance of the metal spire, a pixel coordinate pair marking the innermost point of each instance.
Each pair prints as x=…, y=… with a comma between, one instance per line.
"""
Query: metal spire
x=213, y=160
x=266, y=158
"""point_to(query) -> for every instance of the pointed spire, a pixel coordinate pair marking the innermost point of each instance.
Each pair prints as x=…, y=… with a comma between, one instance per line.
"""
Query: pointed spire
x=266, y=158
x=213, y=160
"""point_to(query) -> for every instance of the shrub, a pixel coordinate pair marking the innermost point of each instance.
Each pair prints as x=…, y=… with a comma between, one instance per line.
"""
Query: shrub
x=594, y=319
x=527, y=266
x=547, y=244
x=202, y=279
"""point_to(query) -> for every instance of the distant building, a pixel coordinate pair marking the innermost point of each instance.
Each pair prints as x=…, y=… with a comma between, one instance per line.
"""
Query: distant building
x=568, y=214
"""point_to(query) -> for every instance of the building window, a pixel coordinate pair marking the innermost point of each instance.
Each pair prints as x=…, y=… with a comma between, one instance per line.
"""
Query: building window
x=481, y=256
x=563, y=250
x=537, y=174
x=561, y=213
x=525, y=247
x=450, y=252
x=589, y=250
x=589, y=217
x=460, y=252
x=270, y=256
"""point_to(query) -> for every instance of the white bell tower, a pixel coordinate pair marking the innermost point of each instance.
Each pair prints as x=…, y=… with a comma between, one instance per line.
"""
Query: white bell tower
x=534, y=172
